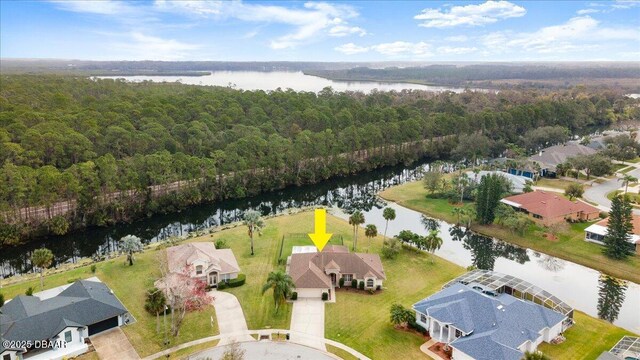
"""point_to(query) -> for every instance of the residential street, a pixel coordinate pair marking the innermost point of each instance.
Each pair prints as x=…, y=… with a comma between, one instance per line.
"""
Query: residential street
x=598, y=192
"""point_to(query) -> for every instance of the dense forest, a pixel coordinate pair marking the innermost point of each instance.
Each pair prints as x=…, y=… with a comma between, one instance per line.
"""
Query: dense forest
x=77, y=152
x=627, y=75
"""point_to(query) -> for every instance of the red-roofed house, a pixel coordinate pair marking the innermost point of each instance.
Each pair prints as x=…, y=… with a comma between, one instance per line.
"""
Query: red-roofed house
x=596, y=232
x=550, y=208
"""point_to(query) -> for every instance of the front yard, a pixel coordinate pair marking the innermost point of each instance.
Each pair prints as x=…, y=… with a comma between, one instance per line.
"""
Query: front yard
x=570, y=244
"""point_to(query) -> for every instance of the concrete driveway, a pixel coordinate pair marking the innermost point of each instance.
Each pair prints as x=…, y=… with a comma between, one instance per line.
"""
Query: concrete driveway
x=268, y=350
x=598, y=192
x=230, y=317
x=308, y=318
x=113, y=345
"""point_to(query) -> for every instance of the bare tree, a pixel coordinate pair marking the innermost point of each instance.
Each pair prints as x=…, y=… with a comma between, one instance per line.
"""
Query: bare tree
x=183, y=293
x=233, y=352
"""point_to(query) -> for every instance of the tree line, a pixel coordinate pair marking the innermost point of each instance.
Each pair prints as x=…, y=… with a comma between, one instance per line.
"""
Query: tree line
x=102, y=146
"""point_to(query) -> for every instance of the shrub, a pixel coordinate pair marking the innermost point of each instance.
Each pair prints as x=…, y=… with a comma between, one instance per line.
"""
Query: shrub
x=93, y=268
x=29, y=291
x=354, y=283
x=294, y=295
x=221, y=244
x=72, y=280
x=341, y=282
x=325, y=296
x=1, y=300
x=361, y=285
x=603, y=214
x=239, y=281
x=390, y=248
x=379, y=287
x=222, y=285
x=371, y=291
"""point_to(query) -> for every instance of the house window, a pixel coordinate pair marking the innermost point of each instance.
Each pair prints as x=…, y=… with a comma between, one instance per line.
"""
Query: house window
x=67, y=336
x=423, y=318
x=6, y=357
x=458, y=333
x=199, y=270
x=537, y=216
x=369, y=282
x=347, y=278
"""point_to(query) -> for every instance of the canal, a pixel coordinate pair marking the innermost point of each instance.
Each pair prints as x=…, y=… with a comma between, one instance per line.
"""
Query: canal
x=583, y=288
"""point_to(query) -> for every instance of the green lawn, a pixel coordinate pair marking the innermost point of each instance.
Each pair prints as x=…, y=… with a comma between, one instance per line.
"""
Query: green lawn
x=570, y=244
x=561, y=184
x=340, y=353
x=587, y=339
x=129, y=283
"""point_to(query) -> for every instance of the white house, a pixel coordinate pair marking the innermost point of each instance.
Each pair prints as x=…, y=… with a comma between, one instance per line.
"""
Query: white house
x=486, y=325
x=596, y=232
x=57, y=327
x=203, y=261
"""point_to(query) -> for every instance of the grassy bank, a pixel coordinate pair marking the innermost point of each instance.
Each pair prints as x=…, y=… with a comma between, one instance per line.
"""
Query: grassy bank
x=130, y=283
x=569, y=245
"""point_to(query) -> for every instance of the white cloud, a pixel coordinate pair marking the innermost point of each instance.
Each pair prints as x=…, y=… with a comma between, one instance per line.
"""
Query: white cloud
x=471, y=15
x=351, y=49
x=403, y=48
x=448, y=50
x=138, y=46
x=576, y=35
x=457, y=38
x=104, y=7
x=309, y=22
x=343, y=30
x=587, y=11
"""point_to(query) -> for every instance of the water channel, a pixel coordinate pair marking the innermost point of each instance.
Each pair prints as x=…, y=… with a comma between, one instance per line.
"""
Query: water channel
x=583, y=288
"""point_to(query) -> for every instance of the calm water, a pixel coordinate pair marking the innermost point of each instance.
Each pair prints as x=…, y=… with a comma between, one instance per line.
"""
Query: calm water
x=258, y=80
x=579, y=286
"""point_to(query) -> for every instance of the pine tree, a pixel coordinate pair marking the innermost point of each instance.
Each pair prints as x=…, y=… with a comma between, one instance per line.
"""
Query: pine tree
x=619, y=229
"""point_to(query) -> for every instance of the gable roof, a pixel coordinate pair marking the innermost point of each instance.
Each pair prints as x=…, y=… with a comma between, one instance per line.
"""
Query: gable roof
x=552, y=156
x=494, y=326
x=306, y=269
x=81, y=304
x=221, y=260
x=547, y=204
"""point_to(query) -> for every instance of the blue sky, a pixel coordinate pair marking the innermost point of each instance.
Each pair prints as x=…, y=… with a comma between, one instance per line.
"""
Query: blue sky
x=321, y=31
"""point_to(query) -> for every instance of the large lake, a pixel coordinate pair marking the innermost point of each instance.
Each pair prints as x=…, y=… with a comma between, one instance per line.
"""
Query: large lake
x=298, y=81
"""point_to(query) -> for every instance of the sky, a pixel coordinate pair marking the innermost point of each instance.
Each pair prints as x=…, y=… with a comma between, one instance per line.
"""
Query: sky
x=322, y=31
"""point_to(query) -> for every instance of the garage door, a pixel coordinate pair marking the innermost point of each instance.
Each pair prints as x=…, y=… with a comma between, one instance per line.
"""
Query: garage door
x=103, y=325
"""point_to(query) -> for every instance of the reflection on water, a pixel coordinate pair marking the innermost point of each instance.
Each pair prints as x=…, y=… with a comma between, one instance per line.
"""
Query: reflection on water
x=485, y=250
x=611, y=296
x=577, y=285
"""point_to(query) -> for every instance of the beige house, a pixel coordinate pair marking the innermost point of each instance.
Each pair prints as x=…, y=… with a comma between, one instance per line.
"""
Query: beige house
x=317, y=272
x=203, y=261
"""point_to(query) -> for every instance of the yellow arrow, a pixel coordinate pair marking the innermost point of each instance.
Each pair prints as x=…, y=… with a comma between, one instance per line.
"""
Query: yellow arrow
x=320, y=238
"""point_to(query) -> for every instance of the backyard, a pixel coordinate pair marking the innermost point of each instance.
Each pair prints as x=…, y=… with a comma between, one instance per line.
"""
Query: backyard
x=356, y=319
x=569, y=245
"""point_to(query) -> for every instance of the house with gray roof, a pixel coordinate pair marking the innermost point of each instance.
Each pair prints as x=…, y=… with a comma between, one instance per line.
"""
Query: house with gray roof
x=486, y=325
x=62, y=321
x=316, y=272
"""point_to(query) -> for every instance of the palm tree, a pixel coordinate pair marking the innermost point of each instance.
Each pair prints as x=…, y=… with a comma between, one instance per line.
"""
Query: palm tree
x=42, y=258
x=469, y=212
x=282, y=286
x=254, y=224
x=626, y=180
x=154, y=304
x=457, y=211
x=370, y=231
x=388, y=214
x=463, y=181
x=356, y=219
x=433, y=242
x=536, y=355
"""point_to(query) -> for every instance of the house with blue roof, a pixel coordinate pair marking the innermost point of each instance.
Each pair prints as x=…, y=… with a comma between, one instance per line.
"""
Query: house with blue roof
x=479, y=324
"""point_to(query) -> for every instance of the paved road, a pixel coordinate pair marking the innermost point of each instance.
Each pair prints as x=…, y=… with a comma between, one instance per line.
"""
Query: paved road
x=230, y=317
x=308, y=318
x=272, y=350
x=598, y=192
x=113, y=345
